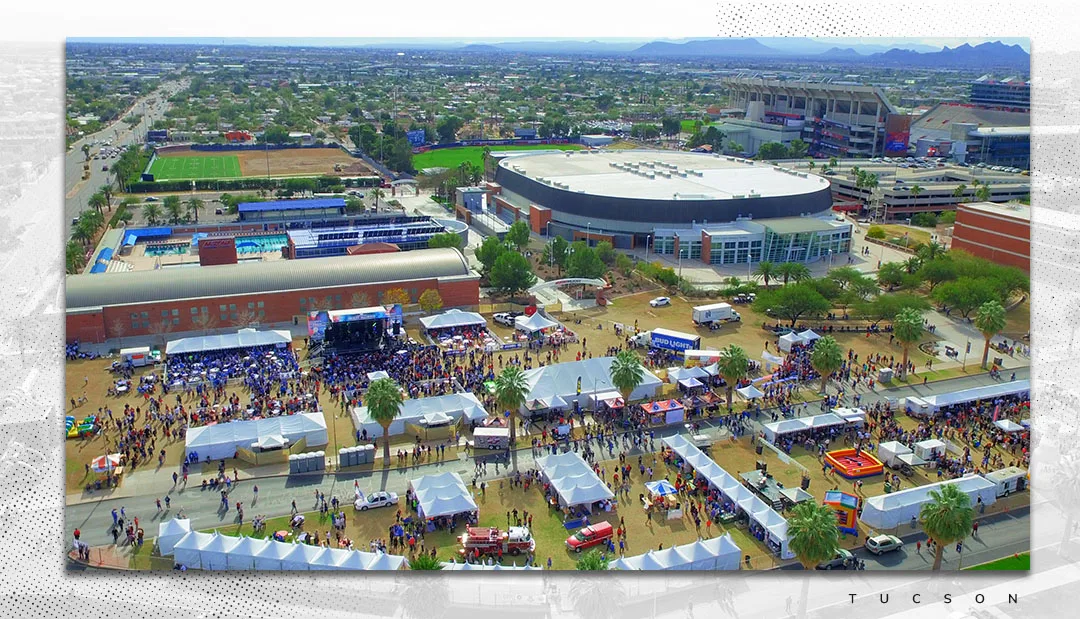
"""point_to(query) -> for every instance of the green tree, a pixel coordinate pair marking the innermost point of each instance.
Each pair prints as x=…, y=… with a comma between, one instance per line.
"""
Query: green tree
x=512, y=273
x=194, y=205
x=584, y=262
x=875, y=232
x=792, y=302
x=151, y=213
x=276, y=134
x=592, y=561
x=959, y=191
x=354, y=206
x=793, y=271
x=765, y=271
x=947, y=218
x=384, y=401
x=425, y=561
x=937, y=271
x=734, y=147
x=947, y=518
x=489, y=251
x=891, y=275
x=627, y=373
x=624, y=264
x=772, y=150
x=826, y=358
x=86, y=151
x=908, y=328
x=511, y=388
x=834, y=163
x=982, y=194
x=430, y=300
x=989, y=320
x=605, y=252
x=97, y=202
x=445, y=239
x=106, y=190
x=173, y=209
x=377, y=193
x=887, y=306
x=797, y=149
x=812, y=534
x=74, y=257
x=915, y=191
x=447, y=129
x=966, y=294
x=556, y=252
x=733, y=365
x=518, y=234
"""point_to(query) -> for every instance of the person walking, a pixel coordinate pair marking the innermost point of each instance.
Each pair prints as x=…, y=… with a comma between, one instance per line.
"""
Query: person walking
x=975, y=529
x=167, y=501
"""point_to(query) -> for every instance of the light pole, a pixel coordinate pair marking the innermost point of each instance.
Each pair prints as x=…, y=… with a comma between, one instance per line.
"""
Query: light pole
x=964, y=367
x=680, y=255
x=588, y=227
x=830, y=259
x=647, y=237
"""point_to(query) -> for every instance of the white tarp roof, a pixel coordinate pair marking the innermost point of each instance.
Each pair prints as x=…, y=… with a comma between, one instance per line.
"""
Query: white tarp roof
x=851, y=415
x=790, y=339
x=272, y=556
x=911, y=459
x=449, y=566
x=271, y=441
x=443, y=494
x=452, y=318
x=215, y=554
x=1009, y=425
x=221, y=440
x=986, y=392
x=301, y=557
x=170, y=532
x=932, y=443
x=574, y=481
x=243, y=554
x=376, y=375
x=809, y=335
x=561, y=379
x=750, y=392
x=455, y=405
x=213, y=551
x=188, y=550
x=244, y=338
x=888, y=451
x=690, y=383
x=771, y=358
x=825, y=421
x=887, y=511
x=784, y=426
x=534, y=323
x=678, y=374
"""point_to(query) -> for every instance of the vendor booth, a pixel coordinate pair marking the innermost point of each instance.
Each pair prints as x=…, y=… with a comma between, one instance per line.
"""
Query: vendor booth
x=443, y=494
x=1008, y=425
x=771, y=361
x=219, y=552
x=888, y=511
x=809, y=336
x=1007, y=480
x=931, y=404
x=243, y=338
x=929, y=449
x=423, y=416
x=575, y=381
x=664, y=412
x=453, y=318
x=708, y=555
x=170, y=532
x=219, y=441
x=890, y=451
x=534, y=323
x=573, y=481
x=750, y=392
x=790, y=340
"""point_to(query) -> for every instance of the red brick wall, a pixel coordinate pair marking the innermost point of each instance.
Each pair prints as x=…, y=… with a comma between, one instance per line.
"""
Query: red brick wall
x=999, y=238
x=539, y=216
x=217, y=251
x=706, y=247
x=85, y=327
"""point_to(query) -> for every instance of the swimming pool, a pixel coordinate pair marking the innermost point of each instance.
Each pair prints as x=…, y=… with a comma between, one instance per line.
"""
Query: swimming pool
x=261, y=243
x=166, y=250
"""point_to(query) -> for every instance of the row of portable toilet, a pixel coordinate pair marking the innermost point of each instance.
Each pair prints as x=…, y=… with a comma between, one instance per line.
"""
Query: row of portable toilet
x=312, y=462
x=355, y=456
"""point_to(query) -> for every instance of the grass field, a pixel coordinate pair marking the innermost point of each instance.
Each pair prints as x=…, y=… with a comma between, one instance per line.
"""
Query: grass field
x=1020, y=562
x=192, y=168
x=453, y=157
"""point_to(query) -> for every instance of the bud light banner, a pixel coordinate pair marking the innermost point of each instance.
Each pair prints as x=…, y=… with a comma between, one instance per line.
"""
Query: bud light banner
x=417, y=137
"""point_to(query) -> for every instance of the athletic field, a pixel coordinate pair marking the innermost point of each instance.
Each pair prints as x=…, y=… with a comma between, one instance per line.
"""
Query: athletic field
x=193, y=168
x=453, y=157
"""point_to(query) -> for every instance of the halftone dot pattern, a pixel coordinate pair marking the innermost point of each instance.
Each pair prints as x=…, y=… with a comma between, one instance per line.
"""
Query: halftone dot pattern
x=32, y=541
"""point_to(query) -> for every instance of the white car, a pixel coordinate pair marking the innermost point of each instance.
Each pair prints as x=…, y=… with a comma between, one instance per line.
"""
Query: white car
x=880, y=544
x=504, y=318
x=660, y=302
x=376, y=499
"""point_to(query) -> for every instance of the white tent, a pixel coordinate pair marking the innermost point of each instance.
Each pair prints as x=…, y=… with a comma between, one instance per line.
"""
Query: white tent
x=932, y=403
x=244, y=338
x=272, y=556
x=449, y=566
x=331, y=559
x=376, y=375
x=452, y=318
x=221, y=440
x=790, y=340
x=301, y=557
x=690, y=383
x=384, y=562
x=889, y=452
x=188, y=550
x=443, y=494
x=851, y=415
x=809, y=335
x=679, y=374
x=771, y=359
x=573, y=480
x=561, y=379
x=826, y=420
x=454, y=405
x=777, y=429
x=271, y=441
x=887, y=511
x=170, y=532
x=929, y=449
x=911, y=459
x=749, y=392
x=715, y=554
x=1008, y=425
x=533, y=323
x=215, y=554
x=242, y=556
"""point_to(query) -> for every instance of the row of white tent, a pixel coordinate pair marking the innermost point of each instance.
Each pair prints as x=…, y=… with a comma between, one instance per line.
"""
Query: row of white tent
x=793, y=339
x=452, y=318
x=449, y=566
x=759, y=511
x=574, y=481
x=717, y=553
x=838, y=417
x=561, y=380
x=222, y=440
x=244, y=338
x=931, y=404
x=443, y=494
x=433, y=411
x=891, y=510
x=214, y=551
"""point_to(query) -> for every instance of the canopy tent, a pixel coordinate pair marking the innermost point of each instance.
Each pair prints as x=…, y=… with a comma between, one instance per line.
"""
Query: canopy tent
x=443, y=494
x=826, y=420
x=1026, y=423
x=892, y=510
x=104, y=463
x=450, y=566
x=555, y=401
x=271, y=441
x=771, y=359
x=712, y=370
x=437, y=418
x=889, y=452
x=789, y=341
x=413, y=411
x=680, y=374
x=661, y=487
x=672, y=410
x=809, y=336
x=777, y=429
x=574, y=481
x=452, y=318
x=750, y=392
x=929, y=449
x=301, y=557
x=215, y=554
x=911, y=459
x=933, y=403
x=187, y=550
x=244, y=338
x=218, y=552
x=562, y=379
x=612, y=398
x=170, y=532
x=378, y=374
x=272, y=555
x=1009, y=425
x=243, y=554
x=690, y=383
x=534, y=323
x=851, y=415
x=221, y=440
x=796, y=494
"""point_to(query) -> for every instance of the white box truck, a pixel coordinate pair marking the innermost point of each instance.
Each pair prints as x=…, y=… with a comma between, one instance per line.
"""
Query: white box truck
x=667, y=340
x=705, y=315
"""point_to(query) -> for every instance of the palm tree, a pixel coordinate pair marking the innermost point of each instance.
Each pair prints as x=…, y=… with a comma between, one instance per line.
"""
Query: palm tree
x=86, y=151
x=174, y=209
x=930, y=251
x=960, y=190
x=810, y=165
x=384, y=402
x=826, y=358
x=377, y=193
x=982, y=194
x=106, y=190
x=510, y=391
x=812, y=534
x=908, y=328
x=794, y=271
x=96, y=202
x=152, y=213
x=989, y=320
x=834, y=162
x=946, y=519
x=75, y=257
x=733, y=366
x=194, y=205
x=916, y=191
x=912, y=264
x=425, y=562
x=627, y=373
x=592, y=561
x=765, y=271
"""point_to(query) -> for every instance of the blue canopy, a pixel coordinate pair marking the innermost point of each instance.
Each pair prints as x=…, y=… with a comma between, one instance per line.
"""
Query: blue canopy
x=661, y=487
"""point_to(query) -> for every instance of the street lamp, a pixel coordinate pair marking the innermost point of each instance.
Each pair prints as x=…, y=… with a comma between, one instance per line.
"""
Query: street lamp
x=588, y=241
x=830, y=258
x=647, y=238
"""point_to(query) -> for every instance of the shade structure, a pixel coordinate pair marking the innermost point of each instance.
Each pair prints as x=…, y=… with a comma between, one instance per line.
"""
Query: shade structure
x=911, y=459
x=770, y=358
x=222, y=440
x=534, y=323
x=378, y=374
x=243, y=554
x=188, y=550
x=244, y=338
x=170, y=532
x=662, y=487
x=385, y=562
x=437, y=418
x=455, y=405
x=809, y=335
x=449, y=566
x=929, y=449
x=301, y=556
x=453, y=318
x=556, y=401
x=574, y=481
x=891, y=510
x=443, y=494
x=889, y=452
x=215, y=554
x=104, y=463
x=690, y=383
x=750, y=392
x=714, y=554
x=776, y=429
x=790, y=340
x=272, y=441
x=562, y=379
x=933, y=403
x=1009, y=425
x=680, y=374
x=272, y=556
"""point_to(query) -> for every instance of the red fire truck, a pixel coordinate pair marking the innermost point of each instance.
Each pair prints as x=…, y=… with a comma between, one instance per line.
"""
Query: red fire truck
x=489, y=540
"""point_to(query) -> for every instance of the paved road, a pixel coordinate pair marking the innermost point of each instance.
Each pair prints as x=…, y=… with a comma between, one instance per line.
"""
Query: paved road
x=276, y=493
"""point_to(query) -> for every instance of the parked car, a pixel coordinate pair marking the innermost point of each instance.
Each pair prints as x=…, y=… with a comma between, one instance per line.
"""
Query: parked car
x=151, y=199
x=660, y=302
x=880, y=544
x=506, y=318
x=591, y=535
x=839, y=562
x=376, y=499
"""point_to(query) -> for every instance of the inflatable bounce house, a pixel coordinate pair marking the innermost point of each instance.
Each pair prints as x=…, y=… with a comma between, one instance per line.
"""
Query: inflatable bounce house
x=846, y=507
x=853, y=465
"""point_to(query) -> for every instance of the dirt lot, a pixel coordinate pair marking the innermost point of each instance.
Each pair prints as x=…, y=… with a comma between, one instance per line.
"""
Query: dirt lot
x=288, y=162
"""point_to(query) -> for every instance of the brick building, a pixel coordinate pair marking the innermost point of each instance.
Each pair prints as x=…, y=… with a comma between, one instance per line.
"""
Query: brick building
x=997, y=232
x=172, y=301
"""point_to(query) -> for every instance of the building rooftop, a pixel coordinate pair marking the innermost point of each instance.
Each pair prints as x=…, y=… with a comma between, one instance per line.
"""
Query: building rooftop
x=1015, y=210
x=792, y=225
x=290, y=205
